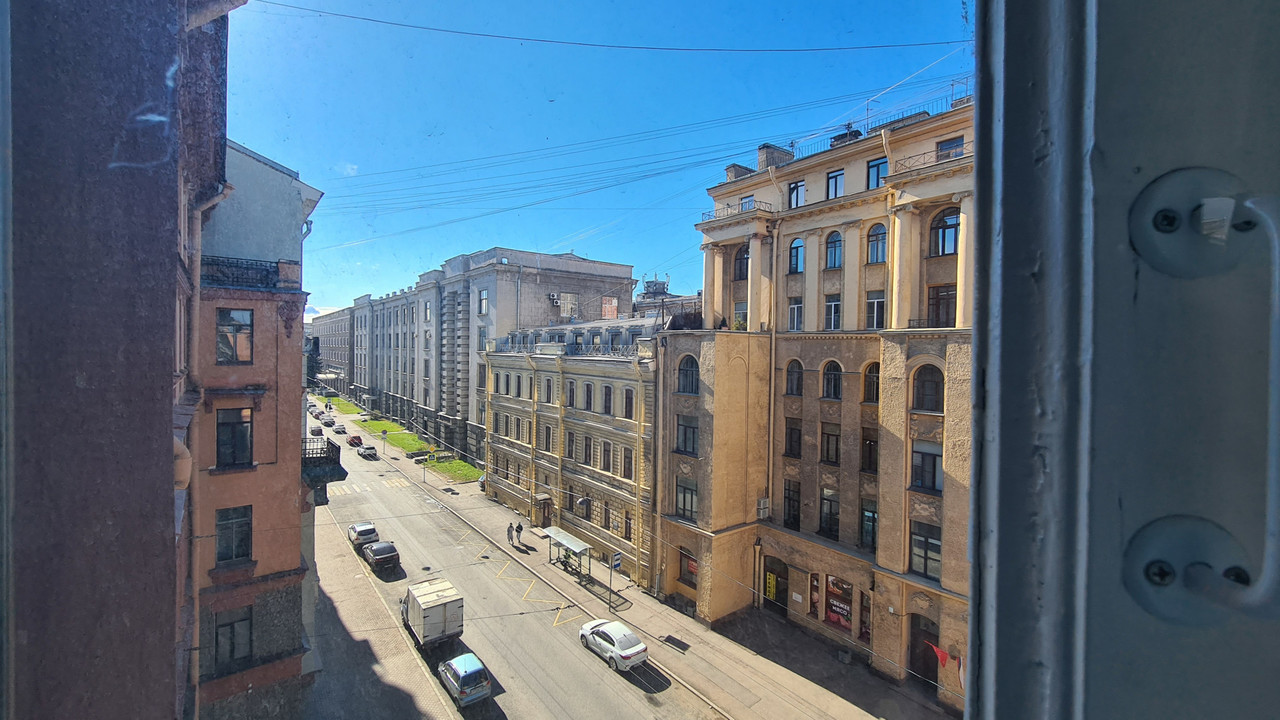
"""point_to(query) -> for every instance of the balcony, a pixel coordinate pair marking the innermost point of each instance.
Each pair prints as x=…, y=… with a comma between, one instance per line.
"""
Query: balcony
x=933, y=157
x=321, y=465
x=621, y=351
x=229, y=272
x=742, y=207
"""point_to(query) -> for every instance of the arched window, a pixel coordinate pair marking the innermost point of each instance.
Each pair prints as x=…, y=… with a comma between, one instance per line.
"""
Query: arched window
x=688, y=376
x=519, y=386
x=871, y=384
x=546, y=391
x=835, y=251
x=795, y=378
x=590, y=392
x=569, y=394
x=927, y=389
x=628, y=403
x=796, y=262
x=506, y=382
x=944, y=232
x=877, y=240
x=607, y=400
x=740, y=262
x=832, y=381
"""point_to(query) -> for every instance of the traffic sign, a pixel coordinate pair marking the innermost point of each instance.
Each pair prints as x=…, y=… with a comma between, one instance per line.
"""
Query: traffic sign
x=617, y=561
x=384, y=433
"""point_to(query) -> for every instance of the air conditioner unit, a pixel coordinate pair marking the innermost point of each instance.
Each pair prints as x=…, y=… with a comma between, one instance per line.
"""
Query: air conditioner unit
x=762, y=508
x=555, y=303
x=552, y=296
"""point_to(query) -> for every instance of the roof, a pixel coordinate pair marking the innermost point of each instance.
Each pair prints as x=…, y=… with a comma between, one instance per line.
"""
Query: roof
x=432, y=590
x=560, y=537
x=466, y=664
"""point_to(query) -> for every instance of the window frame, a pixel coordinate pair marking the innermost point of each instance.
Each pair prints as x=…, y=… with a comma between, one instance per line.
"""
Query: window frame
x=926, y=468
x=944, y=236
x=835, y=184
x=237, y=460
x=793, y=438
x=628, y=403
x=869, y=524
x=829, y=513
x=829, y=454
x=234, y=527
x=588, y=396
x=229, y=654
x=687, y=435
x=791, y=504
x=687, y=380
x=482, y=302
x=871, y=384
x=794, y=386
x=235, y=330
x=686, y=498
x=927, y=394
x=795, y=314
x=877, y=244
x=870, y=455
x=924, y=538
x=942, y=305
x=742, y=262
x=832, y=381
x=831, y=312
x=795, y=194
x=688, y=560
x=875, y=315
x=795, y=256
x=628, y=463
x=835, y=251
x=606, y=399
x=879, y=170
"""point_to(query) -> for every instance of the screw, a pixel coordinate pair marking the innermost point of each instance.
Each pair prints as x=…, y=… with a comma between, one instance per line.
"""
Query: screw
x=1236, y=574
x=1244, y=226
x=1159, y=572
x=1166, y=220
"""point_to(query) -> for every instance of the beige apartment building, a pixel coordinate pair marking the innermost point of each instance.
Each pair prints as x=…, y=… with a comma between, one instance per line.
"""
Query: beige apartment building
x=849, y=273
x=570, y=432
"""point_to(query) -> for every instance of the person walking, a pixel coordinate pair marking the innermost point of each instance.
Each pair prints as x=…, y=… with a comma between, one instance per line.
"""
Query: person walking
x=510, y=531
x=519, y=529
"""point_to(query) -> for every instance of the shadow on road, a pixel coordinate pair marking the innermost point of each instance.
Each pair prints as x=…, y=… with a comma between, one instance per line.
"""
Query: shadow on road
x=648, y=678
x=486, y=708
x=348, y=679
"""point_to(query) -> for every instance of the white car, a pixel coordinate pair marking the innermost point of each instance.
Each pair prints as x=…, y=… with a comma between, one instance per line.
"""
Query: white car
x=362, y=533
x=614, y=642
x=340, y=429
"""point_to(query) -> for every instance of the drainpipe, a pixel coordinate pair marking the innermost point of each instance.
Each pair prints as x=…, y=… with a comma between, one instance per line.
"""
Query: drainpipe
x=196, y=231
x=638, y=452
x=533, y=426
x=659, y=466
x=773, y=357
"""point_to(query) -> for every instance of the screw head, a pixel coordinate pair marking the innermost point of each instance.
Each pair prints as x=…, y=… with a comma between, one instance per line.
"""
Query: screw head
x=1236, y=574
x=1166, y=220
x=1159, y=572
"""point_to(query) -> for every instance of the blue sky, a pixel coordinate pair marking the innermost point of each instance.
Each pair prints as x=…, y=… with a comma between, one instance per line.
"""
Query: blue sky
x=428, y=145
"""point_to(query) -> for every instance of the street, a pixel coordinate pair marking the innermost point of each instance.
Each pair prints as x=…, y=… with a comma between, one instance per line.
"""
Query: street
x=522, y=629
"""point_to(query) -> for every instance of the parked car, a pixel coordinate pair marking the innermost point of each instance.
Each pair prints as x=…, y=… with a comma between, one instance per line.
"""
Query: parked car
x=354, y=440
x=465, y=678
x=316, y=413
x=381, y=556
x=614, y=642
x=327, y=421
x=368, y=452
x=362, y=533
x=340, y=429
x=317, y=430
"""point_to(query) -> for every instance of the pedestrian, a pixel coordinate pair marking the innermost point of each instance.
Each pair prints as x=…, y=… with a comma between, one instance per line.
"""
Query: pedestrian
x=510, y=531
x=519, y=529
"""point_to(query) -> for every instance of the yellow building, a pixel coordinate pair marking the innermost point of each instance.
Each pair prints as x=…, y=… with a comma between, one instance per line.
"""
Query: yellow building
x=813, y=439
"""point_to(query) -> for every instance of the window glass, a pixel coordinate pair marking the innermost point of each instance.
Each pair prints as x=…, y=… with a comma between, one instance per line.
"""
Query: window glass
x=235, y=337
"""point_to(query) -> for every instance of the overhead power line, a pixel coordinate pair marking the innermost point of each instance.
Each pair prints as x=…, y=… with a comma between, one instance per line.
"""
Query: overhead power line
x=610, y=46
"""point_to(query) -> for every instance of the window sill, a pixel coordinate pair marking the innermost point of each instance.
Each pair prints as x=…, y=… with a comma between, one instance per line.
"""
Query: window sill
x=686, y=583
x=935, y=413
x=232, y=364
x=793, y=457
x=233, y=571
x=232, y=469
x=833, y=267
x=832, y=538
x=925, y=491
x=872, y=473
x=829, y=463
x=686, y=453
x=871, y=402
x=831, y=399
x=880, y=262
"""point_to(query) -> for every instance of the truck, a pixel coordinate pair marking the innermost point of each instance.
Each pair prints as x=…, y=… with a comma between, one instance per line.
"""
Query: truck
x=432, y=612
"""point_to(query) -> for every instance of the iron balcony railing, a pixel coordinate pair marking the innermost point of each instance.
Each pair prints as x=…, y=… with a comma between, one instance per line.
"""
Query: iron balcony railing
x=320, y=451
x=238, y=273
x=742, y=207
x=602, y=350
x=919, y=323
x=933, y=157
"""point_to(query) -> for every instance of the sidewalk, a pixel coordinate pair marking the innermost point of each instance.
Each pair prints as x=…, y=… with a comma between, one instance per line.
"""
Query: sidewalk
x=740, y=683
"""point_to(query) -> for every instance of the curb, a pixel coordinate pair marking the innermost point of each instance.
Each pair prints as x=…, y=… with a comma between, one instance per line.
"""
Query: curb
x=556, y=588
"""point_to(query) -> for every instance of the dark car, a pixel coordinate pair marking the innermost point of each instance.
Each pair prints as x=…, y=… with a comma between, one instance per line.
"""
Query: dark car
x=355, y=441
x=381, y=556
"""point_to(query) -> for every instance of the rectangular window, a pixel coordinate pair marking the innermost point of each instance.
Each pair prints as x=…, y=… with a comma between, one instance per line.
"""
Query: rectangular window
x=606, y=456
x=791, y=505
x=831, y=318
x=739, y=315
x=926, y=465
x=831, y=443
x=626, y=525
x=795, y=194
x=235, y=437
x=233, y=640
x=870, y=450
x=829, y=514
x=942, y=306
x=519, y=387
x=792, y=446
x=568, y=304
x=950, y=148
x=747, y=203
x=426, y=310
x=926, y=550
x=608, y=308
x=839, y=604
x=628, y=403
x=235, y=533
x=607, y=400
x=870, y=525
x=864, y=618
x=235, y=337
x=569, y=442
x=546, y=438
x=483, y=306
x=570, y=391
x=835, y=184
x=628, y=463
x=877, y=171
x=546, y=391
x=687, y=498
x=875, y=309
x=795, y=314
x=589, y=391
x=688, y=568
x=687, y=434
x=588, y=450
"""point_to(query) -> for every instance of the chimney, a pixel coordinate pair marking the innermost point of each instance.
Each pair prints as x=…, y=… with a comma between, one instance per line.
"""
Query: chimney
x=735, y=171
x=771, y=155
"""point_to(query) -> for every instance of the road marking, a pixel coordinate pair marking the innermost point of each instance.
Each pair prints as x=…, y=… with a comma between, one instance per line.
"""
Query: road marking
x=558, y=622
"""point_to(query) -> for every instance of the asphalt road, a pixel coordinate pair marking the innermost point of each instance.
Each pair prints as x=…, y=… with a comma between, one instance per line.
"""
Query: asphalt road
x=524, y=631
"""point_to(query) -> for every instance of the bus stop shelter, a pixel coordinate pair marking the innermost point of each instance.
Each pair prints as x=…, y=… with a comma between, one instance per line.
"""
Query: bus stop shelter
x=567, y=551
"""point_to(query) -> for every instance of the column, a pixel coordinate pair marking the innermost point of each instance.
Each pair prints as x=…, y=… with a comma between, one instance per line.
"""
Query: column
x=964, y=260
x=755, y=284
x=851, y=304
x=813, y=305
x=904, y=289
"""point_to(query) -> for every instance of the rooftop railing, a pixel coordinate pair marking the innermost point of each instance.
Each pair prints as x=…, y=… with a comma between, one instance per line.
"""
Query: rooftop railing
x=933, y=157
x=736, y=209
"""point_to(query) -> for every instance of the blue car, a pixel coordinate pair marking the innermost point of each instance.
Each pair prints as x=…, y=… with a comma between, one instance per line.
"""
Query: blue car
x=466, y=679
